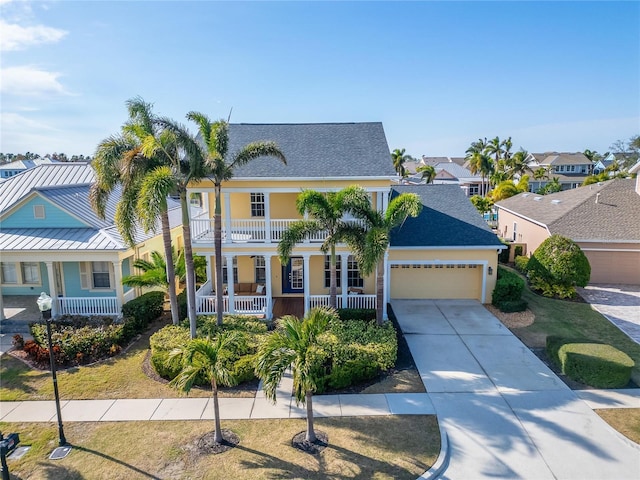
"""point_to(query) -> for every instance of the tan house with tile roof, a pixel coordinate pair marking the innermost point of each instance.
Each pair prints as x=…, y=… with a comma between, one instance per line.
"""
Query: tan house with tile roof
x=602, y=218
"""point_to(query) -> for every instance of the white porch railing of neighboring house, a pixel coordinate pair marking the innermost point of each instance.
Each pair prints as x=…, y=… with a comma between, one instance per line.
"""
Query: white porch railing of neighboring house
x=353, y=301
x=88, y=306
x=247, y=230
x=130, y=295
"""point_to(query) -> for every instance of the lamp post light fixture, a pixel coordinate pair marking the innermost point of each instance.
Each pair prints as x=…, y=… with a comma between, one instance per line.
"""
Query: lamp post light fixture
x=44, y=304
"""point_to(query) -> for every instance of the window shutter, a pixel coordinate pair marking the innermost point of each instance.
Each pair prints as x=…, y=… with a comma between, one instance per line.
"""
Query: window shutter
x=112, y=282
x=85, y=271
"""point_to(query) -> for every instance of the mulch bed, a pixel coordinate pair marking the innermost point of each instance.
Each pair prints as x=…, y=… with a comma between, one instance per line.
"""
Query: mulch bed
x=313, y=448
x=207, y=444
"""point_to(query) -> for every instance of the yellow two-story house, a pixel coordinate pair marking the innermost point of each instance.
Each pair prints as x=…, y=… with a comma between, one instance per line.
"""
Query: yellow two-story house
x=259, y=204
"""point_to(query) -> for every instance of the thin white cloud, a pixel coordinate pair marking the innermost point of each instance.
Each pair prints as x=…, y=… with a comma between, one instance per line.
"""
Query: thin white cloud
x=16, y=37
x=30, y=81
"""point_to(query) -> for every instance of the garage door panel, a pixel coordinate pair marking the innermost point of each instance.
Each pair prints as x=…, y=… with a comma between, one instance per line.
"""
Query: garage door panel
x=614, y=267
x=430, y=282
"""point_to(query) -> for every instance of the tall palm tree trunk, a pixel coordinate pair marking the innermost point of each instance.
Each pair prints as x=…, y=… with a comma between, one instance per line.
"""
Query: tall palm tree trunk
x=332, y=279
x=216, y=412
x=171, y=272
x=379, y=291
x=188, y=263
x=311, y=433
x=217, y=242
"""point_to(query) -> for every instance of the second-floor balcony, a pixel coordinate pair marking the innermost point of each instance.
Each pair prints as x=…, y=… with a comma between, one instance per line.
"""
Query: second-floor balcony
x=246, y=230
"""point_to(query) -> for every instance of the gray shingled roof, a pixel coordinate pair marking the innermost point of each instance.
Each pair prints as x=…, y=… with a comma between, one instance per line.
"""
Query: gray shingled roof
x=555, y=158
x=448, y=219
x=354, y=150
x=576, y=215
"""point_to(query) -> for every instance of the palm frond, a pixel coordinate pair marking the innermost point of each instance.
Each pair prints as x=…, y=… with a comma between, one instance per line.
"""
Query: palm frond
x=256, y=150
x=294, y=234
x=152, y=197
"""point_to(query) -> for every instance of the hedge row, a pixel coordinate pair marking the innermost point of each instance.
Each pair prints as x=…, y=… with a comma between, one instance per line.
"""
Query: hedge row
x=595, y=364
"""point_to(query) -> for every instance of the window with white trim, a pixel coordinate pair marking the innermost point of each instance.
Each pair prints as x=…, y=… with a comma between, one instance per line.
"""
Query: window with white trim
x=100, y=275
x=354, y=279
x=9, y=272
x=260, y=269
x=225, y=276
x=30, y=273
x=257, y=204
x=327, y=271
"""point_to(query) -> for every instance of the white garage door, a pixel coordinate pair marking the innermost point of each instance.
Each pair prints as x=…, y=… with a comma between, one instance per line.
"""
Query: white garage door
x=436, y=281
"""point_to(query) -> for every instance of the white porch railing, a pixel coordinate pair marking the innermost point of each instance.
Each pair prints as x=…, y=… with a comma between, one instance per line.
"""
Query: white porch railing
x=245, y=305
x=247, y=230
x=353, y=301
x=88, y=306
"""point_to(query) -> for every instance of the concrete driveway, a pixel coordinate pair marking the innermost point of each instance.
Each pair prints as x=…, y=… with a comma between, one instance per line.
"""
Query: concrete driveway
x=619, y=303
x=505, y=413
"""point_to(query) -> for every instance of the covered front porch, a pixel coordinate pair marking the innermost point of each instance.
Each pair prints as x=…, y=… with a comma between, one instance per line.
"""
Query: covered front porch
x=258, y=281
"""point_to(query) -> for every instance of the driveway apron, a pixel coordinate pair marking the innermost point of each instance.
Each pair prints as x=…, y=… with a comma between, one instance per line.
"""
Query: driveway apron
x=505, y=413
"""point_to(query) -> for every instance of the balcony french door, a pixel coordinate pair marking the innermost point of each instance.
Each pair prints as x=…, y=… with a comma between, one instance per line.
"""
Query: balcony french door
x=293, y=276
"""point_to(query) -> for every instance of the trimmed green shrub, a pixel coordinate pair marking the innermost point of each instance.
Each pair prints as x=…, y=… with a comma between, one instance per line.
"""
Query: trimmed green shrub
x=508, y=287
x=503, y=256
x=508, y=306
x=161, y=343
x=368, y=314
x=182, y=305
x=597, y=365
x=517, y=251
x=555, y=342
x=144, y=309
x=557, y=266
x=521, y=263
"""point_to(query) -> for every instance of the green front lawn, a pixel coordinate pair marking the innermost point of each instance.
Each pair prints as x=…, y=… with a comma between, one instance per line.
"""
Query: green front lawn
x=386, y=447
x=576, y=321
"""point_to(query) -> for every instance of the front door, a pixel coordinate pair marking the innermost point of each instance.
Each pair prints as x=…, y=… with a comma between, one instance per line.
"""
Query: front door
x=293, y=276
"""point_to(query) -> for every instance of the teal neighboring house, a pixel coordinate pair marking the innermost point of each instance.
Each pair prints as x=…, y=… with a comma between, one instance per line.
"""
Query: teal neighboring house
x=52, y=241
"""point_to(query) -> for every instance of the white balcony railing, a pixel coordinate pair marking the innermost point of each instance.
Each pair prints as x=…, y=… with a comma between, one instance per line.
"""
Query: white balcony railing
x=246, y=230
x=244, y=305
x=88, y=306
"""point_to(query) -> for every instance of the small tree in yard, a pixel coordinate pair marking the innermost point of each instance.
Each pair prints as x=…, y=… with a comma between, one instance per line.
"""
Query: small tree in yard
x=292, y=345
x=203, y=356
x=557, y=266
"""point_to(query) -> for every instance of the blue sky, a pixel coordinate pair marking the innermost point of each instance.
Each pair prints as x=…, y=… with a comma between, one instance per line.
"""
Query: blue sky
x=559, y=76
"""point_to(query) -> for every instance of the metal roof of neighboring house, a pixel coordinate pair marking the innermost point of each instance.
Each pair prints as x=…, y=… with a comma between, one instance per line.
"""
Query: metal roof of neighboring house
x=459, y=160
x=448, y=219
x=26, y=164
x=316, y=150
x=21, y=239
x=67, y=186
x=15, y=188
x=600, y=212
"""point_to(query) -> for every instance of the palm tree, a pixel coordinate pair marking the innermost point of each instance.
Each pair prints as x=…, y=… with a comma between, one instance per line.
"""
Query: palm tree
x=209, y=358
x=184, y=164
x=371, y=242
x=428, y=173
x=120, y=160
x=220, y=168
x=399, y=158
x=326, y=211
x=481, y=163
x=495, y=148
x=154, y=271
x=291, y=345
x=518, y=164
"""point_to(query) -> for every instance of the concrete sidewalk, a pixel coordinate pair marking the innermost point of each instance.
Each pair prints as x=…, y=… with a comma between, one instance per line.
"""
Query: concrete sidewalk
x=202, y=408
x=505, y=413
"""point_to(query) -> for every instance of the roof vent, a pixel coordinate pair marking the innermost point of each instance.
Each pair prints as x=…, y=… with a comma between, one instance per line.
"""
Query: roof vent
x=556, y=201
x=597, y=197
x=525, y=195
x=537, y=199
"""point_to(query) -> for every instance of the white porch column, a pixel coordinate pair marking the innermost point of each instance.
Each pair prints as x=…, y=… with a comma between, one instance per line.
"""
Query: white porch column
x=117, y=276
x=53, y=292
x=386, y=282
x=306, y=272
x=227, y=217
x=268, y=287
x=212, y=281
x=379, y=201
x=385, y=201
x=344, y=280
x=230, y=282
x=484, y=281
x=267, y=218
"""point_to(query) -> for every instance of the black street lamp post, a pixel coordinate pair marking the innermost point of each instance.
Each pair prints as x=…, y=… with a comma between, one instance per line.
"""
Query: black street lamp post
x=44, y=304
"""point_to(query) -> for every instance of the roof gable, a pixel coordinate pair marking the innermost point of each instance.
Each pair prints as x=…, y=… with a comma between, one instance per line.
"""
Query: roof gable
x=23, y=214
x=448, y=219
x=319, y=150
